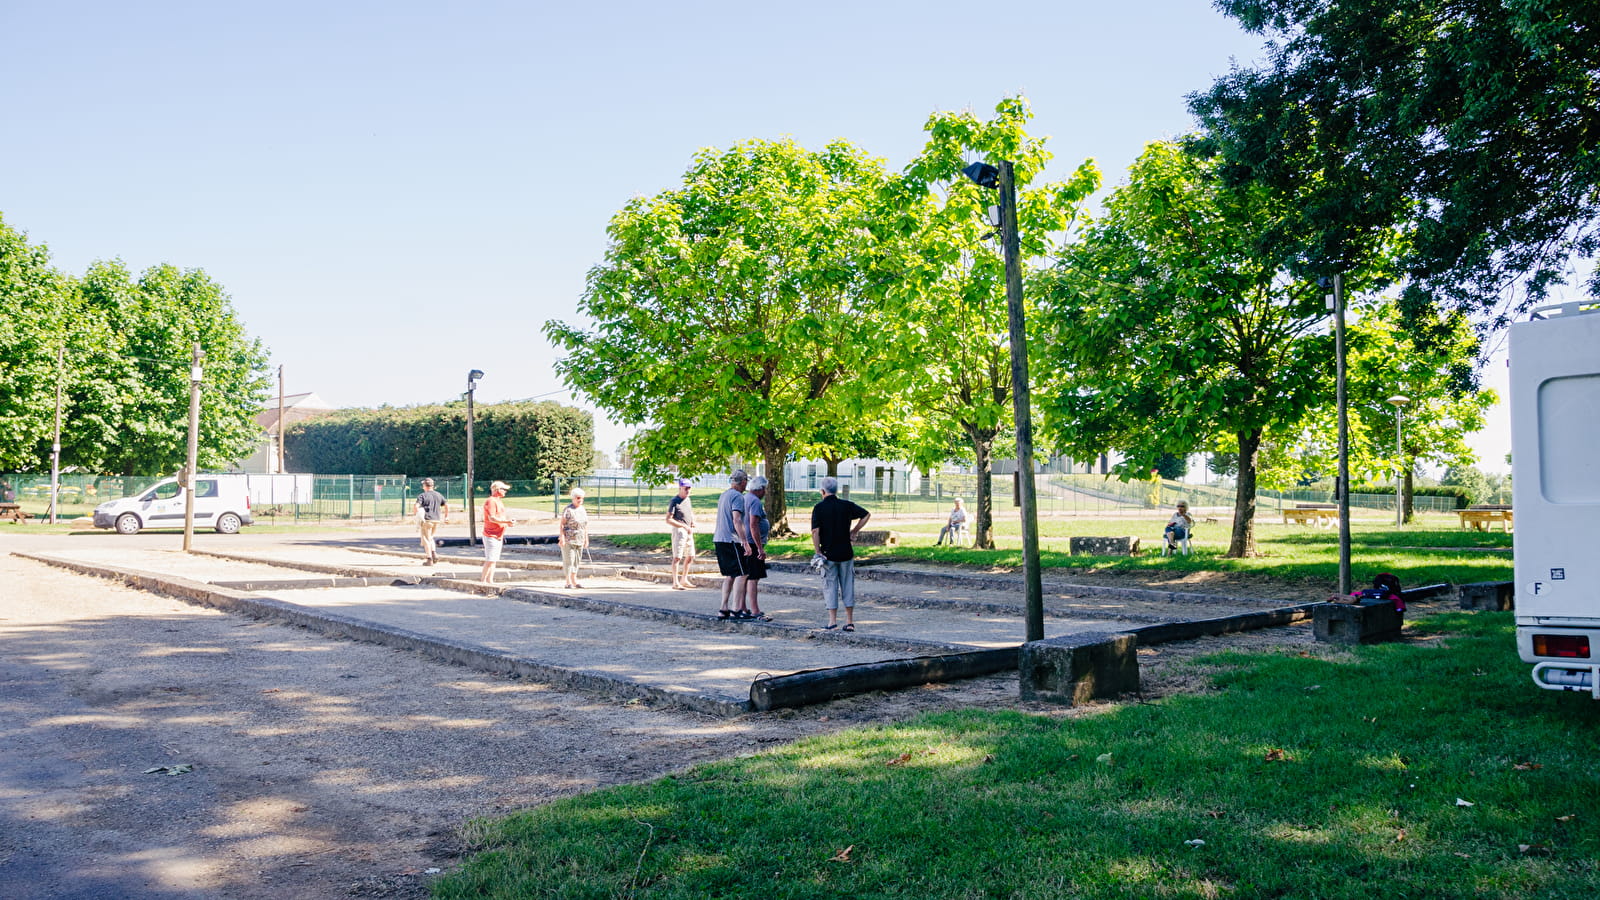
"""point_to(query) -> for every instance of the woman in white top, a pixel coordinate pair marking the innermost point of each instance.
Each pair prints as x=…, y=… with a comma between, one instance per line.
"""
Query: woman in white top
x=573, y=534
x=1178, y=526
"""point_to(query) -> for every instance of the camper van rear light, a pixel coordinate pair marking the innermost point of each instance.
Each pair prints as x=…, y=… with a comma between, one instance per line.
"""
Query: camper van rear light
x=1570, y=646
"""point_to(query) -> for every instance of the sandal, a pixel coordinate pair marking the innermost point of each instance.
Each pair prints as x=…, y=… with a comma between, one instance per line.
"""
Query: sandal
x=849, y=628
x=724, y=613
x=743, y=614
x=830, y=627
x=761, y=617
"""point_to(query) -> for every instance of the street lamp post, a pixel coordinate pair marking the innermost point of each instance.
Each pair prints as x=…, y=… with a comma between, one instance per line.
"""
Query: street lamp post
x=472, y=525
x=1397, y=401
x=1004, y=178
x=195, y=373
x=1336, y=304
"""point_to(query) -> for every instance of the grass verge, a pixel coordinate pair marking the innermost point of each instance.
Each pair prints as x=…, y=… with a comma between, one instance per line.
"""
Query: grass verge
x=1336, y=775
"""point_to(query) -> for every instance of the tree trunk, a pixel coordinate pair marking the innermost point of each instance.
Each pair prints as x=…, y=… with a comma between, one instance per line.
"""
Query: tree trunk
x=775, y=453
x=1243, y=542
x=833, y=465
x=982, y=448
x=1409, y=496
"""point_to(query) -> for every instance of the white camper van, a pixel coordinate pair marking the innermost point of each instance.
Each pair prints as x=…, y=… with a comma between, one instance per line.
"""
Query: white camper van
x=1555, y=443
x=220, y=501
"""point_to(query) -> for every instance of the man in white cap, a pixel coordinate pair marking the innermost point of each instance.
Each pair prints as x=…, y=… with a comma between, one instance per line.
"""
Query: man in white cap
x=680, y=518
x=730, y=541
x=756, y=528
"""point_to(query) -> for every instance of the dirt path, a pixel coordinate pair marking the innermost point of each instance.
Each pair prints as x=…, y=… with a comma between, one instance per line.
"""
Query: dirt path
x=322, y=767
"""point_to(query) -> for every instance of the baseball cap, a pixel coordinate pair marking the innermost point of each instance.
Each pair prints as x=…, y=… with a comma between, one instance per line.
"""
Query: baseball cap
x=684, y=483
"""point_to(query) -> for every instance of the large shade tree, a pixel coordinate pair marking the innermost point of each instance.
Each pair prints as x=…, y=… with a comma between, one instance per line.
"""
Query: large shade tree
x=953, y=259
x=1472, y=123
x=1170, y=323
x=733, y=315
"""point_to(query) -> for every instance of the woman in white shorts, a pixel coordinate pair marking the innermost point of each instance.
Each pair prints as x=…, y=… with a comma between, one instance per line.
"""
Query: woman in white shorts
x=573, y=535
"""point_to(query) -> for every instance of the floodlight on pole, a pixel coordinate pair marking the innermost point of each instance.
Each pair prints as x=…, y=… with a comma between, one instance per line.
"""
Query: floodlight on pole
x=1397, y=401
x=1004, y=179
x=472, y=524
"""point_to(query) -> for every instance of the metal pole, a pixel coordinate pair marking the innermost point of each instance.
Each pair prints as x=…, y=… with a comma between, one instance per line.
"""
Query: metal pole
x=1344, y=438
x=472, y=522
x=194, y=448
x=1399, y=483
x=55, y=445
x=1032, y=578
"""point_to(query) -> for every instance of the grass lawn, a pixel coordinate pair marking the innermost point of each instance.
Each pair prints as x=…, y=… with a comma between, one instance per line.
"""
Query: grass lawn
x=1430, y=552
x=1430, y=769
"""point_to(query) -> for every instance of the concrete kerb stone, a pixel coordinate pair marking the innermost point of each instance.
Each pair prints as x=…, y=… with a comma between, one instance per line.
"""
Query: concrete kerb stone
x=1076, y=668
x=461, y=653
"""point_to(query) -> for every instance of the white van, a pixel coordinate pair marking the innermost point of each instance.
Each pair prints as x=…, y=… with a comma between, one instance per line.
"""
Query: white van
x=220, y=501
x=1555, y=428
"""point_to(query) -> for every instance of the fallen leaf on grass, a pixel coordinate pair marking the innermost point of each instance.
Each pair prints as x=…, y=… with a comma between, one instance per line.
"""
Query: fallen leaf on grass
x=1461, y=802
x=1527, y=766
x=273, y=691
x=1195, y=843
x=1463, y=855
x=1314, y=687
x=1566, y=818
x=900, y=760
x=1400, y=836
x=842, y=855
x=1533, y=849
x=1214, y=813
x=1277, y=755
x=1103, y=758
x=988, y=758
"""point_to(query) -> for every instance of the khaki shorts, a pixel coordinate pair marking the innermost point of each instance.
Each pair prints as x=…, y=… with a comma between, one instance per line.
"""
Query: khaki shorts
x=682, y=544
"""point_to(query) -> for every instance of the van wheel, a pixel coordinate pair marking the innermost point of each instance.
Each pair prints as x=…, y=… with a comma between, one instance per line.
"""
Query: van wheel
x=228, y=523
x=127, y=523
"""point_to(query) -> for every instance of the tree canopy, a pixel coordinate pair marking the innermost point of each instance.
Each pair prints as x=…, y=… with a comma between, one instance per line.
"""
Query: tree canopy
x=955, y=268
x=1472, y=124
x=1170, y=324
x=739, y=311
x=125, y=349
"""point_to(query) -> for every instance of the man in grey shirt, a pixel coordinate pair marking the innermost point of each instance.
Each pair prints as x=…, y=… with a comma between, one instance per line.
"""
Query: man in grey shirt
x=756, y=528
x=729, y=539
x=431, y=510
x=680, y=518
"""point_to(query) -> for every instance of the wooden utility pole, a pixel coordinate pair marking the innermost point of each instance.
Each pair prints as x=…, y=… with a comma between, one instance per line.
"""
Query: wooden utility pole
x=194, y=448
x=1020, y=404
x=281, y=467
x=55, y=445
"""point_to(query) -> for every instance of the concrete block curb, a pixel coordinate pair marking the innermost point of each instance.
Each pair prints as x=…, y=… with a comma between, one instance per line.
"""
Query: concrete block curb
x=1077, y=668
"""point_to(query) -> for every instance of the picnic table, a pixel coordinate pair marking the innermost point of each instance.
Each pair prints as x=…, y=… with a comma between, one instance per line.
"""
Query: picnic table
x=1312, y=514
x=1478, y=518
x=13, y=511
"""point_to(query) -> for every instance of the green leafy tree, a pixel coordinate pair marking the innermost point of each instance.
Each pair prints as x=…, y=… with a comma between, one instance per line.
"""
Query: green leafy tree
x=131, y=403
x=1169, y=324
x=955, y=263
x=739, y=312
x=1469, y=122
x=34, y=309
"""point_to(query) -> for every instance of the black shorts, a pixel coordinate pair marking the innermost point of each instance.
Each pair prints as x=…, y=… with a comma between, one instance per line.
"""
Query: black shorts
x=729, y=559
x=755, y=568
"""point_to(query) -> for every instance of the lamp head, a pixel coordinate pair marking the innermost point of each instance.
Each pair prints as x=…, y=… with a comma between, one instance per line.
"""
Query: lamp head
x=474, y=375
x=982, y=174
x=1399, y=400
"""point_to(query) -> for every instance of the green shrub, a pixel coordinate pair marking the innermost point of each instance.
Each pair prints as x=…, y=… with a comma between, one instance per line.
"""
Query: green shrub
x=512, y=441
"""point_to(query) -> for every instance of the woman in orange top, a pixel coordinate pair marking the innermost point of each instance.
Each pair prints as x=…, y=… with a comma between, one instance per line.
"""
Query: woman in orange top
x=495, y=523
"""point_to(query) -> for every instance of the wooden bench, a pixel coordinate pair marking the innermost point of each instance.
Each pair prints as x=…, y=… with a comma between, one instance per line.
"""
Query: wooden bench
x=13, y=511
x=1311, y=514
x=1478, y=519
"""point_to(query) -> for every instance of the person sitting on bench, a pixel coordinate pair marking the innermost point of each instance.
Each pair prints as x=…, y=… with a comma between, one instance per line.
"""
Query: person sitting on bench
x=1178, y=526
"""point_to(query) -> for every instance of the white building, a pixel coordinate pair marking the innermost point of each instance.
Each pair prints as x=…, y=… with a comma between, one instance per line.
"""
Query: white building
x=296, y=408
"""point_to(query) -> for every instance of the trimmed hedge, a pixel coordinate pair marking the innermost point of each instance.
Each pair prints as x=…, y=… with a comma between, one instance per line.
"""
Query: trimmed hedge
x=513, y=441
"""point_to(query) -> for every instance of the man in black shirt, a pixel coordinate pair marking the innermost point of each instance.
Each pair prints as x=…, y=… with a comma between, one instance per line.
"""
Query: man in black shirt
x=831, y=531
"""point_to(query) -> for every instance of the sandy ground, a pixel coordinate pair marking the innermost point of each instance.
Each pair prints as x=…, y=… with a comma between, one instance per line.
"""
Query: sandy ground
x=323, y=767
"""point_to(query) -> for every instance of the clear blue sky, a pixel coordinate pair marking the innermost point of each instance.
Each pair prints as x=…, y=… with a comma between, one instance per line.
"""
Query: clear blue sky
x=394, y=193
